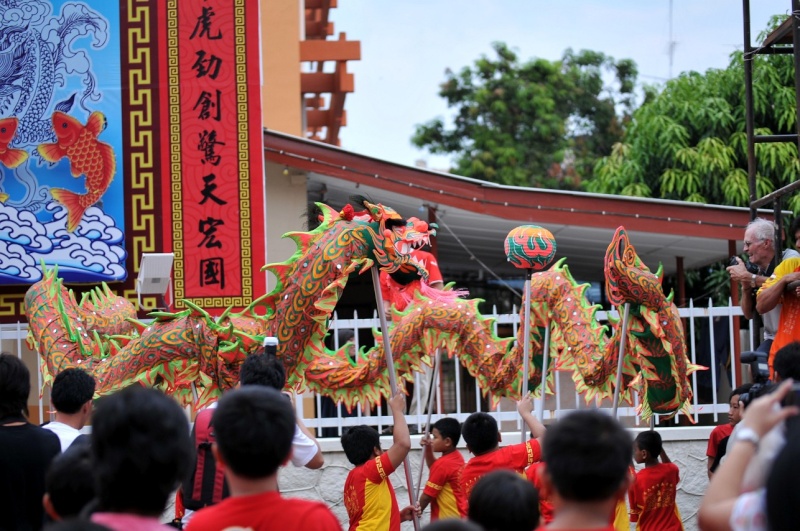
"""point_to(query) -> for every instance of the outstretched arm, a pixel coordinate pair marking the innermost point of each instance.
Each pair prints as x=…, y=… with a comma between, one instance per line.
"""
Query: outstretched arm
x=525, y=408
x=401, y=442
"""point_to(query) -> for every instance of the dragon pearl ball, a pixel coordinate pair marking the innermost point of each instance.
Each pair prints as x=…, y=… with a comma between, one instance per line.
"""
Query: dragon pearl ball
x=530, y=247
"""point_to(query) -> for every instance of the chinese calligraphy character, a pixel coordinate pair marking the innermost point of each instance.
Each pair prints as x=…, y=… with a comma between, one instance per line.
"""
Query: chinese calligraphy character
x=212, y=271
x=208, y=227
x=203, y=26
x=208, y=66
x=208, y=144
x=208, y=190
x=208, y=102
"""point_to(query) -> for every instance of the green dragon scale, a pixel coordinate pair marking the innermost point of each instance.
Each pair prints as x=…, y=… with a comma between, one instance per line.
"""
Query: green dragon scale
x=195, y=357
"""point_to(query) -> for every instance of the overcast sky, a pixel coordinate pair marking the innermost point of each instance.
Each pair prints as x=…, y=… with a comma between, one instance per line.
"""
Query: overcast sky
x=406, y=46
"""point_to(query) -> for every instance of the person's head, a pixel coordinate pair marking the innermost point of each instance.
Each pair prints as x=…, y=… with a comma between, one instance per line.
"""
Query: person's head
x=360, y=444
x=446, y=434
x=586, y=455
x=758, y=242
x=787, y=362
x=647, y=447
x=254, y=427
x=15, y=386
x=73, y=390
x=504, y=501
x=76, y=524
x=783, y=496
x=794, y=231
x=141, y=450
x=69, y=483
x=734, y=412
x=264, y=370
x=452, y=524
x=480, y=433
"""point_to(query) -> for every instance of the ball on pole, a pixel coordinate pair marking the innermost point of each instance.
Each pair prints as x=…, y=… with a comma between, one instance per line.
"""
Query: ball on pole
x=530, y=247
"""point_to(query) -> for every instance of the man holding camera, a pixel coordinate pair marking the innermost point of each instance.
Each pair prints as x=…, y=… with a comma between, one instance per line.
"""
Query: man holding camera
x=751, y=275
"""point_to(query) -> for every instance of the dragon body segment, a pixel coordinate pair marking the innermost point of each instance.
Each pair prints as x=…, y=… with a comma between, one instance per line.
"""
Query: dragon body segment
x=194, y=356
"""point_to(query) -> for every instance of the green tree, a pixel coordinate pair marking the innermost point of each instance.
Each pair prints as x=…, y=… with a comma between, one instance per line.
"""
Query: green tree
x=688, y=142
x=539, y=123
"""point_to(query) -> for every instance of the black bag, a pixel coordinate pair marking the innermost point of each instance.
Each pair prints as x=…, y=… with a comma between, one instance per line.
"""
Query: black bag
x=206, y=485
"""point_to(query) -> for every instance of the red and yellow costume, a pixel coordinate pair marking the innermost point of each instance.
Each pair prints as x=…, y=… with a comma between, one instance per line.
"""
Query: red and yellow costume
x=444, y=487
x=369, y=497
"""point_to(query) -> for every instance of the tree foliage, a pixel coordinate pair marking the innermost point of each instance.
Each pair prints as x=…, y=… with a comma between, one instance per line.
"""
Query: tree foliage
x=538, y=123
x=688, y=142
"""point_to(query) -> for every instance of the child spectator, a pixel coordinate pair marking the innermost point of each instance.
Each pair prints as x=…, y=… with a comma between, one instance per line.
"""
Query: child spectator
x=73, y=390
x=254, y=427
x=368, y=493
x=652, y=495
x=504, y=501
x=482, y=437
x=718, y=440
x=140, y=452
x=69, y=484
x=586, y=456
x=25, y=451
x=443, y=488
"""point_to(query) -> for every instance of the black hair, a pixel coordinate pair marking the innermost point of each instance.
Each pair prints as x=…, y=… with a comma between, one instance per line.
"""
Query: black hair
x=359, y=442
x=794, y=227
x=76, y=524
x=650, y=441
x=254, y=427
x=72, y=388
x=504, y=501
x=480, y=433
x=742, y=389
x=786, y=363
x=140, y=450
x=587, y=455
x=452, y=524
x=449, y=429
x=69, y=480
x=15, y=386
x=783, y=497
x=264, y=370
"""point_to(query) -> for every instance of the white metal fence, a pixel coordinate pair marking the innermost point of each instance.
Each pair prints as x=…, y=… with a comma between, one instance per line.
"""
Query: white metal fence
x=709, y=336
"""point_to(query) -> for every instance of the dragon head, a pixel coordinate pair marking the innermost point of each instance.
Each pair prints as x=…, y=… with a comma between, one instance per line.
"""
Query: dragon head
x=628, y=279
x=395, y=237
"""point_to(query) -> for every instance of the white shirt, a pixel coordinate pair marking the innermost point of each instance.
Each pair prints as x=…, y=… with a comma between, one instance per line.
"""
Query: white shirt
x=66, y=434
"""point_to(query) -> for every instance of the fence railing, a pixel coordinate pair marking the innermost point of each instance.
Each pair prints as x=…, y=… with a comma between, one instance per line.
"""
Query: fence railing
x=709, y=334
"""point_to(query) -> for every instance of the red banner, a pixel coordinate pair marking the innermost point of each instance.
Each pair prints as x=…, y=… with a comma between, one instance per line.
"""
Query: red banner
x=211, y=124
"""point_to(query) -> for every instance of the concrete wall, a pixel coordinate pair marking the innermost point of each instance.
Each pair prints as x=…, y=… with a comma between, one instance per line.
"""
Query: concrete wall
x=686, y=447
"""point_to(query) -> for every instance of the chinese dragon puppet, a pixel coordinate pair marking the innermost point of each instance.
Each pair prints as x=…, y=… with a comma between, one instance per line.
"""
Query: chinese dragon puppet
x=194, y=356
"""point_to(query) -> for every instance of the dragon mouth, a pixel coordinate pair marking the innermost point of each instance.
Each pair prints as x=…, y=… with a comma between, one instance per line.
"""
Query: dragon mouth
x=406, y=246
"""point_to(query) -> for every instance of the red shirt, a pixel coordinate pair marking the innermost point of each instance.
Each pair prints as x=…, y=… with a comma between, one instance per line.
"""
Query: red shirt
x=717, y=434
x=652, y=498
x=515, y=457
x=369, y=497
x=263, y=512
x=545, y=506
x=398, y=294
x=444, y=488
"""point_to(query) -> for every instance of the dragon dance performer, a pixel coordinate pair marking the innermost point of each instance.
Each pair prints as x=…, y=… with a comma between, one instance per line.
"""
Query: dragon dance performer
x=397, y=290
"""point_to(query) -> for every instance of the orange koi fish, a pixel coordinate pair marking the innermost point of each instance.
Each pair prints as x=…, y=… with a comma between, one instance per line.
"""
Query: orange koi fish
x=10, y=157
x=87, y=156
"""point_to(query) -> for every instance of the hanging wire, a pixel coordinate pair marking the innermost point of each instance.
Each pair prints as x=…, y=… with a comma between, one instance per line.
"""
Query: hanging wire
x=473, y=257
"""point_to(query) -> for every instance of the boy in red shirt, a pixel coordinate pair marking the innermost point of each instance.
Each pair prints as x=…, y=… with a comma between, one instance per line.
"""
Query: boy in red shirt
x=718, y=441
x=586, y=458
x=368, y=493
x=482, y=437
x=254, y=427
x=443, y=489
x=652, y=495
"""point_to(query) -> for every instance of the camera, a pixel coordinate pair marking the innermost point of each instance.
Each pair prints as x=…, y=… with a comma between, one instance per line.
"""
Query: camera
x=758, y=390
x=751, y=268
x=271, y=346
x=759, y=366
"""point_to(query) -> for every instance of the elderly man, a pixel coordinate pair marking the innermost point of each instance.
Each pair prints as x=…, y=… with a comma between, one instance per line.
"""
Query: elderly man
x=782, y=290
x=760, y=248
